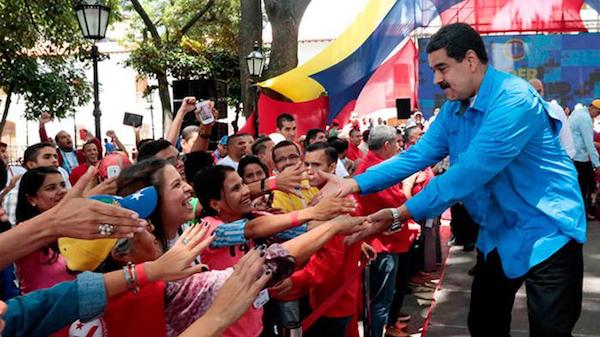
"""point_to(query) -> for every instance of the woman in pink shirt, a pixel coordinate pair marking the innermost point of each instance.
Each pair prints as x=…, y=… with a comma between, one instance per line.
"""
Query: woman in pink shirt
x=40, y=190
x=226, y=199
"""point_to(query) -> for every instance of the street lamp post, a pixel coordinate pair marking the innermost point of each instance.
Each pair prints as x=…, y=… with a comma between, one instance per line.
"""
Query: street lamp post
x=150, y=100
x=256, y=65
x=92, y=17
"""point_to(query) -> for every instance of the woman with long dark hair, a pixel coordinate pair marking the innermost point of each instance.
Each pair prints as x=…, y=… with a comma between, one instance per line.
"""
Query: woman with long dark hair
x=41, y=189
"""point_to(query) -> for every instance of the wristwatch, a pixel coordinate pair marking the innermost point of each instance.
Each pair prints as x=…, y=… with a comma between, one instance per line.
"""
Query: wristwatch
x=397, y=223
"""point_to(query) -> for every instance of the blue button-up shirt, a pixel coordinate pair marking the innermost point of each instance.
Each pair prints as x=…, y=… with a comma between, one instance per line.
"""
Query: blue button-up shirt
x=507, y=166
x=583, y=136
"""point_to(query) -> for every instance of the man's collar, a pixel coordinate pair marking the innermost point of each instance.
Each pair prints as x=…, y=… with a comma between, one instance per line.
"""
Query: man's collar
x=481, y=98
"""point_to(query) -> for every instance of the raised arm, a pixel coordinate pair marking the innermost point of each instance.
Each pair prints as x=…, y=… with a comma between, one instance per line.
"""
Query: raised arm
x=187, y=105
x=117, y=141
x=44, y=118
x=203, y=140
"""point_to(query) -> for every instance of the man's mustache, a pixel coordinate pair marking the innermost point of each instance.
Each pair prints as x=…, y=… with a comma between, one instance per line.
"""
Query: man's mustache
x=444, y=85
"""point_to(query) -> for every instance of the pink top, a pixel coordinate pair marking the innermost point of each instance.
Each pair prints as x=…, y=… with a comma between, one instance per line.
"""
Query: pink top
x=249, y=325
x=35, y=272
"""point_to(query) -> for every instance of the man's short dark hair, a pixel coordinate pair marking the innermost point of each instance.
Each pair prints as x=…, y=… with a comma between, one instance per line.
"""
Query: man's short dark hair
x=340, y=145
x=458, y=39
x=312, y=134
x=353, y=130
x=284, y=117
x=251, y=159
x=32, y=151
x=150, y=149
x=196, y=162
x=233, y=137
x=285, y=143
x=88, y=143
x=330, y=152
x=259, y=146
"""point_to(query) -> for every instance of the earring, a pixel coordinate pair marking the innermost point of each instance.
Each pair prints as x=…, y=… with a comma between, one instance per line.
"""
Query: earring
x=33, y=204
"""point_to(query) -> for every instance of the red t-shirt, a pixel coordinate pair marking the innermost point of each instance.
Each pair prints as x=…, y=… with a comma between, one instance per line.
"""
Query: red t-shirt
x=129, y=314
x=77, y=173
x=399, y=242
x=250, y=324
x=353, y=152
x=323, y=275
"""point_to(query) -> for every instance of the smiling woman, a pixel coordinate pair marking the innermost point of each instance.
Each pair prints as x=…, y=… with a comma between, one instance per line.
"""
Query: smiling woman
x=41, y=189
x=174, y=196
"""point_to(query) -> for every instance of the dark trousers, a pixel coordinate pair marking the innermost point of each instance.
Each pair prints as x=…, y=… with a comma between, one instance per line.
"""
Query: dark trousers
x=554, y=295
x=463, y=227
x=329, y=327
x=585, y=175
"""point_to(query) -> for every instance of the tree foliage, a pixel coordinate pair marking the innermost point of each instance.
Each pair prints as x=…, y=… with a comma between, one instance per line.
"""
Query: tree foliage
x=41, y=48
x=189, y=40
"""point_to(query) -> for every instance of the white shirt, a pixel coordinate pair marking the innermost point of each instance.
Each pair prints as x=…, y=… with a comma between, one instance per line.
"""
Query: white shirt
x=566, y=138
x=65, y=177
x=227, y=161
x=340, y=169
x=10, y=201
x=69, y=160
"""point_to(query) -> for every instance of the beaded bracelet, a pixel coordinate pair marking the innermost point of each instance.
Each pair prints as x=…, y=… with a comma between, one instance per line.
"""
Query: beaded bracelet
x=131, y=278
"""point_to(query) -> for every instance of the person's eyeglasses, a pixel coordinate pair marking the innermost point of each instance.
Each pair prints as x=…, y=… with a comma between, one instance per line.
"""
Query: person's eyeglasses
x=292, y=158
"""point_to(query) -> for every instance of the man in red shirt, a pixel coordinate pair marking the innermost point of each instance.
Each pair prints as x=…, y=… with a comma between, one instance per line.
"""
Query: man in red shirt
x=354, y=141
x=91, y=154
x=392, y=250
x=329, y=268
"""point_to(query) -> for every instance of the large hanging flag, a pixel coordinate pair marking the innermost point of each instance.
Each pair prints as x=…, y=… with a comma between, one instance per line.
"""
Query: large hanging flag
x=349, y=65
x=395, y=78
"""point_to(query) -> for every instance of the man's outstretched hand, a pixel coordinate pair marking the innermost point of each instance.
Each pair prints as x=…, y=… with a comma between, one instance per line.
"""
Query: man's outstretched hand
x=377, y=223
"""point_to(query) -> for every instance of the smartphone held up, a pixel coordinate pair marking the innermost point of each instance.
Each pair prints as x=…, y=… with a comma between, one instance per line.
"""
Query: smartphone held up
x=204, y=112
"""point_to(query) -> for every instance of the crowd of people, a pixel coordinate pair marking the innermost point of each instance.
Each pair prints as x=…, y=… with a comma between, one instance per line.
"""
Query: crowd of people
x=271, y=233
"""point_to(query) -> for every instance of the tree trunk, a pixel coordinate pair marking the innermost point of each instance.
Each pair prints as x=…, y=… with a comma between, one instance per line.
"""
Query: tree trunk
x=250, y=31
x=165, y=101
x=285, y=17
x=5, y=112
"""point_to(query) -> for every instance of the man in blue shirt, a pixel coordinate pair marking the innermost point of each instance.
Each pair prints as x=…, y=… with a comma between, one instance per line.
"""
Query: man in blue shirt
x=586, y=157
x=513, y=176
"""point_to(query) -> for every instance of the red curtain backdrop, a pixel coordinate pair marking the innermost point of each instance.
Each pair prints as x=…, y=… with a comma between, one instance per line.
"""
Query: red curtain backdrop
x=308, y=115
x=490, y=16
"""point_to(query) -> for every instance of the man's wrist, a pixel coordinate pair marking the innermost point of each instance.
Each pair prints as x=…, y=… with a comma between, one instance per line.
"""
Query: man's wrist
x=354, y=188
x=396, y=220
